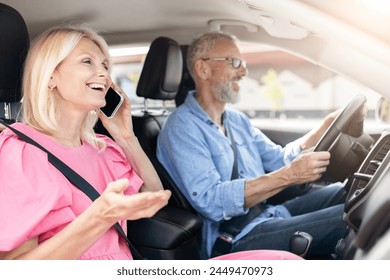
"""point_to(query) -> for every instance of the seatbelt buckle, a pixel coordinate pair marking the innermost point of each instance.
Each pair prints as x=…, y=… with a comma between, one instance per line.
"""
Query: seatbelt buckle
x=226, y=237
x=223, y=245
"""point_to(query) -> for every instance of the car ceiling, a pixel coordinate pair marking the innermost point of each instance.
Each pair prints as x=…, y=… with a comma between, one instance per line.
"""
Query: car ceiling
x=135, y=16
x=328, y=33
x=133, y=20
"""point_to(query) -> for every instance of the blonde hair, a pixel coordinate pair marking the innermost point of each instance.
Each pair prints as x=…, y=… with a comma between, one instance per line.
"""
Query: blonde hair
x=46, y=53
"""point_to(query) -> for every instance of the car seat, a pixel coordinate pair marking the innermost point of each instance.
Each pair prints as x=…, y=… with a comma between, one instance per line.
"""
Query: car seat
x=14, y=44
x=187, y=83
x=174, y=231
x=160, y=79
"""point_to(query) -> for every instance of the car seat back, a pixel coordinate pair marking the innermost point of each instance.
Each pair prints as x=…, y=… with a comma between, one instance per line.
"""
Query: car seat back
x=14, y=44
x=179, y=229
x=187, y=83
x=160, y=79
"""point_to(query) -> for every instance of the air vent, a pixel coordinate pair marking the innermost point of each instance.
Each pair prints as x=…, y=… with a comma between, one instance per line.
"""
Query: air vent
x=374, y=163
x=365, y=178
x=377, y=158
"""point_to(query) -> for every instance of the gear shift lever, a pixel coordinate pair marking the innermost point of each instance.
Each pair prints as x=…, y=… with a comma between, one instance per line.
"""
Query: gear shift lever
x=300, y=243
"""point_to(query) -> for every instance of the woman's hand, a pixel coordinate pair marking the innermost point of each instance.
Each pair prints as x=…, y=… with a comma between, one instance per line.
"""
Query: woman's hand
x=113, y=205
x=86, y=229
x=120, y=126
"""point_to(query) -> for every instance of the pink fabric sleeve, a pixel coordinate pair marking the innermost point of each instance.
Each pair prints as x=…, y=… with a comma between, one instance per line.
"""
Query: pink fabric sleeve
x=259, y=255
x=122, y=167
x=23, y=191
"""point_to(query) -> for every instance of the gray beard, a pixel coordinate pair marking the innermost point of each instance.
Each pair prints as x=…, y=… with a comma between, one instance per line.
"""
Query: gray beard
x=224, y=93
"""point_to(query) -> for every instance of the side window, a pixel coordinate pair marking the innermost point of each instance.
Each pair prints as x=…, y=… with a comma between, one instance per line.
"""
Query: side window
x=282, y=87
x=279, y=86
x=126, y=76
x=127, y=66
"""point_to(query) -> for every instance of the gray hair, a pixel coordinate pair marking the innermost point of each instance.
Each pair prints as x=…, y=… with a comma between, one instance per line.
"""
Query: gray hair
x=202, y=44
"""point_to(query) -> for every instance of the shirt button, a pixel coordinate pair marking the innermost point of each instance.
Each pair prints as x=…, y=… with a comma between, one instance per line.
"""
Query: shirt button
x=194, y=193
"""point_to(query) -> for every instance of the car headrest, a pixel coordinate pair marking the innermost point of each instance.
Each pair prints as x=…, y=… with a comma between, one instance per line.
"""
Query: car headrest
x=14, y=44
x=187, y=83
x=162, y=70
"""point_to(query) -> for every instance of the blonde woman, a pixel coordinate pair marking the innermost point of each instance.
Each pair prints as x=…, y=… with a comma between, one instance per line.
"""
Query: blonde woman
x=43, y=216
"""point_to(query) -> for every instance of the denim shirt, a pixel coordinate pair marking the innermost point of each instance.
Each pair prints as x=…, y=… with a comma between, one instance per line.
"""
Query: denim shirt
x=199, y=158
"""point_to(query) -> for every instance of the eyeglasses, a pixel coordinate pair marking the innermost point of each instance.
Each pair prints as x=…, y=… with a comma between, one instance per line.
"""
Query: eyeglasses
x=235, y=62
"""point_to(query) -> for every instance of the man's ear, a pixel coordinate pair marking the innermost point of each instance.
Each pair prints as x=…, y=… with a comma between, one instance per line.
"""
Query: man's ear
x=202, y=69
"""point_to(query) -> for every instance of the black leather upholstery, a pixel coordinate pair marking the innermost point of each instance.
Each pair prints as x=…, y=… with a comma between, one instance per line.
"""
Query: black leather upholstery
x=174, y=231
x=162, y=70
x=14, y=44
x=187, y=83
x=170, y=234
x=159, y=80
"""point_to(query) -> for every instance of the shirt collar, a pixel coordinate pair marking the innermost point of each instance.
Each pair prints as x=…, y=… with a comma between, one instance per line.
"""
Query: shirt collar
x=195, y=108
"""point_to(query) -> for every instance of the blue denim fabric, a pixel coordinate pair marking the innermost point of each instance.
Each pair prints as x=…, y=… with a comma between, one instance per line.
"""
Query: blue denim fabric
x=319, y=213
x=200, y=160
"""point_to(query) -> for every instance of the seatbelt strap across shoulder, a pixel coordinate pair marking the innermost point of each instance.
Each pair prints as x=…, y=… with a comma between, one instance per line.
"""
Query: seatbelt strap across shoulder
x=229, y=229
x=74, y=178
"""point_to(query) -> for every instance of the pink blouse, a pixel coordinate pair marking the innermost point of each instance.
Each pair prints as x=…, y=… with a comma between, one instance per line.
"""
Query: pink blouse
x=259, y=255
x=37, y=200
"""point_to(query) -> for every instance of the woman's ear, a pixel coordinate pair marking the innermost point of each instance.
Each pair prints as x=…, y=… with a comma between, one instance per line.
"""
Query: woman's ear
x=52, y=84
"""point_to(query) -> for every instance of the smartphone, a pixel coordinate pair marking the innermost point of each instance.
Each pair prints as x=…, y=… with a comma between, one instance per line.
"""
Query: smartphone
x=113, y=101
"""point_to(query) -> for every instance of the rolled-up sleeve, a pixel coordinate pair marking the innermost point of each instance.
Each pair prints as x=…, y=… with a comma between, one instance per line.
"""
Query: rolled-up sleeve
x=232, y=196
x=291, y=151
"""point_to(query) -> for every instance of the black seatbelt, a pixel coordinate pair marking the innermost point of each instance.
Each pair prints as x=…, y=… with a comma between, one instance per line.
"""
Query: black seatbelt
x=232, y=227
x=234, y=147
x=74, y=178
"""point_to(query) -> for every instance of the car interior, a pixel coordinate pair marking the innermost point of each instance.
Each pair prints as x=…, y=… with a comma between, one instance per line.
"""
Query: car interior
x=164, y=77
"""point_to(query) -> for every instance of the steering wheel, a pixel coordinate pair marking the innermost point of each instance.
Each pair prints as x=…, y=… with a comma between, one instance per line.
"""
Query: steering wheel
x=338, y=138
